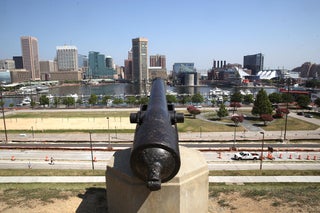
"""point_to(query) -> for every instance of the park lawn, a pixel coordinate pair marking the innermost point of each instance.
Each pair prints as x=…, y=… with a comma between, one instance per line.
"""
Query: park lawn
x=197, y=125
x=292, y=124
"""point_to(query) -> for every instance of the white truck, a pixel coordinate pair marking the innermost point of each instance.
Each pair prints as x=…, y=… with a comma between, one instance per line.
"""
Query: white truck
x=246, y=156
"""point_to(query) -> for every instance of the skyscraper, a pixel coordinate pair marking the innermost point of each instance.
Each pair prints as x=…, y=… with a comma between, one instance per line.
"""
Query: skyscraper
x=30, y=56
x=158, y=61
x=140, y=60
x=67, y=58
x=253, y=62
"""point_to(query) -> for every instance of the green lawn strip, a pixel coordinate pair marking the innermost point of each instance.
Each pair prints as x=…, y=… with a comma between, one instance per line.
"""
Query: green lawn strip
x=197, y=125
x=14, y=193
x=292, y=124
x=292, y=194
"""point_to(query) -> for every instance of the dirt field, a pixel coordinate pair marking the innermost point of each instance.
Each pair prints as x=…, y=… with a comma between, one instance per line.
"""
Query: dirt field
x=93, y=203
x=67, y=123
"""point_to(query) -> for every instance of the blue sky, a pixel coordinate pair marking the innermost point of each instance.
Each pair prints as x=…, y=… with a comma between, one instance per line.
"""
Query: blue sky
x=287, y=32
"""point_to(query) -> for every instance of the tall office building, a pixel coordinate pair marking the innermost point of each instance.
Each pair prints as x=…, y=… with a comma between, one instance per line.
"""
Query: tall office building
x=140, y=60
x=253, y=62
x=30, y=56
x=109, y=62
x=67, y=58
x=18, y=61
x=158, y=61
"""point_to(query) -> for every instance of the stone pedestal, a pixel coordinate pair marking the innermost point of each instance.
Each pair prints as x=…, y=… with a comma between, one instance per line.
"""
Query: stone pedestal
x=186, y=192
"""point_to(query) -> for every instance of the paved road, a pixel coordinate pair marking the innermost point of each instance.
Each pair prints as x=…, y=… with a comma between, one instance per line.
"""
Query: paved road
x=212, y=179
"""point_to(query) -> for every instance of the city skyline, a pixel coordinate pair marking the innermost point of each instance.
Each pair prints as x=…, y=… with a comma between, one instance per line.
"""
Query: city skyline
x=285, y=32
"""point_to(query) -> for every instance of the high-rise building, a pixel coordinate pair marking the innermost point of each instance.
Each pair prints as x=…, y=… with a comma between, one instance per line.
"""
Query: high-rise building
x=128, y=69
x=140, y=60
x=158, y=61
x=18, y=62
x=253, y=62
x=67, y=58
x=30, y=56
x=97, y=66
x=109, y=62
x=7, y=64
x=82, y=61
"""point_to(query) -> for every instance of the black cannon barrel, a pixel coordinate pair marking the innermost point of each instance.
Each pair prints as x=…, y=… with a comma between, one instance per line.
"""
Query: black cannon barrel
x=155, y=156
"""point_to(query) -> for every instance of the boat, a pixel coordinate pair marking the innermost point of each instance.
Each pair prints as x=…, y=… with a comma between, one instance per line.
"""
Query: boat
x=42, y=89
x=25, y=102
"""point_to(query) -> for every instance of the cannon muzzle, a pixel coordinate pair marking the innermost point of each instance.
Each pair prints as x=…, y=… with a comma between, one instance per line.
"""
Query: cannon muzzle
x=155, y=156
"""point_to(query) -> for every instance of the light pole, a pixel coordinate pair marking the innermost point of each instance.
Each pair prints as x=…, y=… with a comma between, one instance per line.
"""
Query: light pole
x=262, y=145
x=3, y=116
x=109, y=145
x=91, y=151
x=286, y=121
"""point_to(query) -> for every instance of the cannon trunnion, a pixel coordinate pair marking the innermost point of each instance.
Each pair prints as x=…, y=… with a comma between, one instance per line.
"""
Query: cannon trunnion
x=155, y=156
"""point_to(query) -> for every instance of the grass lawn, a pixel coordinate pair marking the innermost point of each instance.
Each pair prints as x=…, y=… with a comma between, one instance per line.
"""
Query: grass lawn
x=292, y=124
x=197, y=125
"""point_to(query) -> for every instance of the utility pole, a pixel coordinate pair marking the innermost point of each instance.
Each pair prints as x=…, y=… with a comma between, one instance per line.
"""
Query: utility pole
x=3, y=116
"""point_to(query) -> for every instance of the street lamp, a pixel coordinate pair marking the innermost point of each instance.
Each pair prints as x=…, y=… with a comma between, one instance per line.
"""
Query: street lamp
x=109, y=145
x=3, y=116
x=286, y=121
x=91, y=151
x=262, y=145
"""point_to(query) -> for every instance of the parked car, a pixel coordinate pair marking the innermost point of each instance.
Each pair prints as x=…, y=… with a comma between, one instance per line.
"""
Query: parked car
x=300, y=113
x=308, y=116
x=246, y=156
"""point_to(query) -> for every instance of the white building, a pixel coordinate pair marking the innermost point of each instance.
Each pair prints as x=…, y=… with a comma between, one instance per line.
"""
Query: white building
x=67, y=58
x=7, y=64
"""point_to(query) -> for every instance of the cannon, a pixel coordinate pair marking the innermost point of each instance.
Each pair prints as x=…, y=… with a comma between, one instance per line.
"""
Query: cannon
x=155, y=156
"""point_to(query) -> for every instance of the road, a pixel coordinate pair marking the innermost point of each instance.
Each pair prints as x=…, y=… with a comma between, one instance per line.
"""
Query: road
x=216, y=160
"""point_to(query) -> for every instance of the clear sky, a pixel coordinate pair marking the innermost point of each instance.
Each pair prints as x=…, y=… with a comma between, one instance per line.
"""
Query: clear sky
x=287, y=32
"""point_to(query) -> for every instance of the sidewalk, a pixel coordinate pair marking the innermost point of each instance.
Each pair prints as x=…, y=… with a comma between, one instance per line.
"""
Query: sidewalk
x=212, y=179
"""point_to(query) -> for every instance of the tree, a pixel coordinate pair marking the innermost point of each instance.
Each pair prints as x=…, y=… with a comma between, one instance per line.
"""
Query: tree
x=235, y=105
x=143, y=100
x=117, y=101
x=213, y=102
x=130, y=100
x=105, y=99
x=248, y=98
x=79, y=101
x=237, y=119
x=93, y=99
x=287, y=97
x=193, y=111
x=184, y=99
x=236, y=97
x=303, y=101
x=280, y=112
x=68, y=101
x=262, y=104
x=275, y=97
x=222, y=112
x=56, y=101
x=266, y=118
x=44, y=100
x=171, y=99
x=197, y=98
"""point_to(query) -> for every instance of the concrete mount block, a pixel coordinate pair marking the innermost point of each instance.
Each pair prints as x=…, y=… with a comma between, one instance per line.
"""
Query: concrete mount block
x=186, y=192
